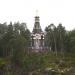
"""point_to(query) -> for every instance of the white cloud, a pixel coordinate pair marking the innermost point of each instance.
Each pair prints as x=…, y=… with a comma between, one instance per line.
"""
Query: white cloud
x=50, y=11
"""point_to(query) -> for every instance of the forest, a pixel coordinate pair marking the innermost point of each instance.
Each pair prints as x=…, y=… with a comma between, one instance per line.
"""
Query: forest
x=15, y=58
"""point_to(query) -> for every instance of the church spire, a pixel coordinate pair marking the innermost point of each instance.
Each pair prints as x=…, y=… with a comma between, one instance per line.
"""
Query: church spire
x=37, y=27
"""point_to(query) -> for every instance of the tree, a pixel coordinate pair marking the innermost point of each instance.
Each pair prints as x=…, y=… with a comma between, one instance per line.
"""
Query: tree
x=3, y=31
x=61, y=33
x=70, y=41
x=51, y=37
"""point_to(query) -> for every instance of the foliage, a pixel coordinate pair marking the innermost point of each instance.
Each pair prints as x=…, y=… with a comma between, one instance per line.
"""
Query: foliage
x=57, y=38
x=15, y=38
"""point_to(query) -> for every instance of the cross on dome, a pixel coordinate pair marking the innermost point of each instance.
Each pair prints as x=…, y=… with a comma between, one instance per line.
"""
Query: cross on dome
x=36, y=12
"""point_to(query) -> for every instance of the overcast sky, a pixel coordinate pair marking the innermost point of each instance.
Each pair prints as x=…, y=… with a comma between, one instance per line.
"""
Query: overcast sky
x=50, y=11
